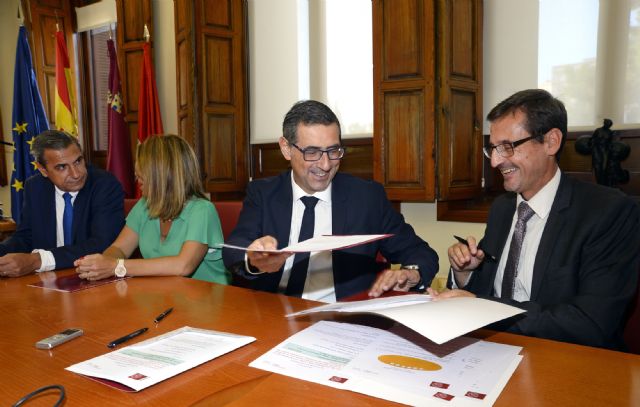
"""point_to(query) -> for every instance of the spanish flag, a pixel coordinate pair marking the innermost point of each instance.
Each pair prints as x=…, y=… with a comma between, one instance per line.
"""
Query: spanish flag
x=65, y=96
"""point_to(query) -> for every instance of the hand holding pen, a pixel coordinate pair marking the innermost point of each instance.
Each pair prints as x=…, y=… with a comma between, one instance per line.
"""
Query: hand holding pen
x=467, y=255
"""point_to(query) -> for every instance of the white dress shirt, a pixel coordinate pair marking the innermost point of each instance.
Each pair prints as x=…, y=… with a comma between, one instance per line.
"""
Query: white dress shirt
x=318, y=285
x=541, y=204
x=47, y=261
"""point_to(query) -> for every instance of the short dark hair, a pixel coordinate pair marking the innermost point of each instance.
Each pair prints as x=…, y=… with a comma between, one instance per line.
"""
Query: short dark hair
x=51, y=140
x=542, y=110
x=307, y=112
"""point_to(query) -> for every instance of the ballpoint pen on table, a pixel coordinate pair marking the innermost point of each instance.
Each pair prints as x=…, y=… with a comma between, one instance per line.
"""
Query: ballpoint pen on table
x=486, y=253
x=161, y=316
x=125, y=338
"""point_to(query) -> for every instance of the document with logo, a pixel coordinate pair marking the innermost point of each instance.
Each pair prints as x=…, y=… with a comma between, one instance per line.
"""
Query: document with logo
x=320, y=243
x=395, y=366
x=440, y=321
x=144, y=364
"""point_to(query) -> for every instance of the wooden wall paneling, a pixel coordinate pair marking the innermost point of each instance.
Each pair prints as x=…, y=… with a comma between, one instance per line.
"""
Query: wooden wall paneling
x=220, y=65
x=187, y=94
x=404, y=97
x=40, y=19
x=268, y=160
x=459, y=100
x=132, y=17
x=3, y=161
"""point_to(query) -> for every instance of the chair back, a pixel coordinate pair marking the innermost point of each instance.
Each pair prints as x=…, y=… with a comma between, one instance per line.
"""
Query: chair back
x=128, y=204
x=229, y=212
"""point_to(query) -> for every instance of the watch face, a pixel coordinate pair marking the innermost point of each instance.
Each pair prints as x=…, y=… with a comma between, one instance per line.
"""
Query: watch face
x=120, y=270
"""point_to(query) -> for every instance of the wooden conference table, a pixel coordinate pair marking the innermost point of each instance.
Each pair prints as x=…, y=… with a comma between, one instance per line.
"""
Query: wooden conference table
x=551, y=373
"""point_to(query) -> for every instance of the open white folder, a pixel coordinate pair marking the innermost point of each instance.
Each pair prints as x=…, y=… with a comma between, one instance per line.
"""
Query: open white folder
x=319, y=243
x=440, y=321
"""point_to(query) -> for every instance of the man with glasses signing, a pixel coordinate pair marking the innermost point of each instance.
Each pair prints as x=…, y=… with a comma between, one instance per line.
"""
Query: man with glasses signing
x=313, y=199
x=566, y=251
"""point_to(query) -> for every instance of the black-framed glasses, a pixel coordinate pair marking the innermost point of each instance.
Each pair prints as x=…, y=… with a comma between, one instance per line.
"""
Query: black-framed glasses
x=315, y=153
x=505, y=149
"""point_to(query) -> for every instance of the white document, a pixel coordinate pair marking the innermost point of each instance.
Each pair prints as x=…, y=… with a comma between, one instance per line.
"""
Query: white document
x=320, y=243
x=439, y=321
x=152, y=361
x=382, y=364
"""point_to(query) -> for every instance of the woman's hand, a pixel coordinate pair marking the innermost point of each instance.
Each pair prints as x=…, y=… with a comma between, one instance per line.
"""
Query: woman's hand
x=95, y=266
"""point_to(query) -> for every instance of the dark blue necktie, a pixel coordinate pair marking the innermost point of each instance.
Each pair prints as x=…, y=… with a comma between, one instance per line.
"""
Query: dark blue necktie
x=67, y=219
x=301, y=260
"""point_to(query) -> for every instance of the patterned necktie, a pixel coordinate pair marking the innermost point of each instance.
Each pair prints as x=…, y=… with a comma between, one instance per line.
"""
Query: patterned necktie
x=511, y=269
x=301, y=260
x=67, y=219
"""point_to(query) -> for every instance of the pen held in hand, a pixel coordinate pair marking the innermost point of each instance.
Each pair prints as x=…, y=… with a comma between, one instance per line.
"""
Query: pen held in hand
x=125, y=338
x=486, y=254
x=161, y=316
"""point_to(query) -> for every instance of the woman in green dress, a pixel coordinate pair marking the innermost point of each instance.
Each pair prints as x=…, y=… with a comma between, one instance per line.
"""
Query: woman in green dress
x=175, y=226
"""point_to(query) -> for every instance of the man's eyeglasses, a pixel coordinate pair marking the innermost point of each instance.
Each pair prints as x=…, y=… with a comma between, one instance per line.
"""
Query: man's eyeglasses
x=504, y=149
x=315, y=154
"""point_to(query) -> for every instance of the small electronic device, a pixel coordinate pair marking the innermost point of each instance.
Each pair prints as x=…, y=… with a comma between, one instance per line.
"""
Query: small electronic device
x=60, y=338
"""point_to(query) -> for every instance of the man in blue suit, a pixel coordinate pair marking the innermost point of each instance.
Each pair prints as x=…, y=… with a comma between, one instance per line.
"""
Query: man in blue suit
x=94, y=210
x=567, y=251
x=273, y=216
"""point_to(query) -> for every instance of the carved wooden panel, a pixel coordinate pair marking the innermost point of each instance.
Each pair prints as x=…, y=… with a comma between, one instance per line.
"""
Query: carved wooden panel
x=404, y=97
x=459, y=102
x=218, y=149
x=132, y=16
x=40, y=21
x=185, y=56
x=462, y=32
x=218, y=70
x=219, y=102
x=402, y=38
x=217, y=14
x=404, y=147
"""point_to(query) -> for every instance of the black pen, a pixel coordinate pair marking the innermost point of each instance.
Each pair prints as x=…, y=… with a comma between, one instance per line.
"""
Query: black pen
x=486, y=253
x=161, y=316
x=125, y=338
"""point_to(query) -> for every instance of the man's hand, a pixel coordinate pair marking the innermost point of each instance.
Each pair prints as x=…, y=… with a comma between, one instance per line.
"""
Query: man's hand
x=465, y=258
x=266, y=262
x=397, y=280
x=19, y=264
x=96, y=267
x=448, y=294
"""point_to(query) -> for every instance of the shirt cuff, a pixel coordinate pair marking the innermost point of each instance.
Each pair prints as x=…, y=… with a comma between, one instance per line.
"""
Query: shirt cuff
x=454, y=283
x=47, y=261
x=247, y=267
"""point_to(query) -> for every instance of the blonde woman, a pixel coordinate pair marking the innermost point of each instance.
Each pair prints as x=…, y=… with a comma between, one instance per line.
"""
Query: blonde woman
x=175, y=226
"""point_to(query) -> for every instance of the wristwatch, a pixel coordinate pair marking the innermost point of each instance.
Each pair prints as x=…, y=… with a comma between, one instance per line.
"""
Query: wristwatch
x=415, y=267
x=120, y=270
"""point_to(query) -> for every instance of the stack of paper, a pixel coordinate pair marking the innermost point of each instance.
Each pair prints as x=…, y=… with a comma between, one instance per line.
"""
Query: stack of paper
x=382, y=364
x=144, y=364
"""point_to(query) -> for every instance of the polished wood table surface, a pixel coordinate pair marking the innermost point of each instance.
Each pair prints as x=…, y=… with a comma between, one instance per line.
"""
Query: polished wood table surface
x=551, y=373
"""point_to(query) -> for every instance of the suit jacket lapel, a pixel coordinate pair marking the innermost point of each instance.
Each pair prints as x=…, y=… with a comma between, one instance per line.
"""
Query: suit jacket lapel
x=282, y=209
x=49, y=209
x=339, y=197
x=552, y=230
x=494, y=243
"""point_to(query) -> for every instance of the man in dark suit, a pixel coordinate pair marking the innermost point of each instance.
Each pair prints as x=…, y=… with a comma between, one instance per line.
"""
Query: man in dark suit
x=273, y=216
x=94, y=204
x=569, y=254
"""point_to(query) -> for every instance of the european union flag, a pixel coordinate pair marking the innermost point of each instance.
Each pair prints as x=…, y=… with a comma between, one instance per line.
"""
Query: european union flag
x=29, y=120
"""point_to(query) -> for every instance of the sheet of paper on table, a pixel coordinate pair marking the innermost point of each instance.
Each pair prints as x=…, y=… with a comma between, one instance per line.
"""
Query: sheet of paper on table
x=146, y=363
x=439, y=321
x=320, y=243
x=380, y=363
